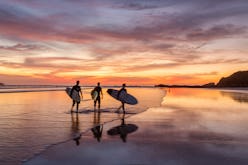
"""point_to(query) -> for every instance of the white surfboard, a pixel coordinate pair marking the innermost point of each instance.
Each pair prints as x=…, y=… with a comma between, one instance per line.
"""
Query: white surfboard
x=123, y=97
x=75, y=95
x=94, y=94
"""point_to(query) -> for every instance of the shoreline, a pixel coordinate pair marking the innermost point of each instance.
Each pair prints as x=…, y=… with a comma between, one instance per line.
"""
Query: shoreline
x=38, y=90
x=87, y=131
x=72, y=139
x=166, y=119
x=41, y=89
x=162, y=137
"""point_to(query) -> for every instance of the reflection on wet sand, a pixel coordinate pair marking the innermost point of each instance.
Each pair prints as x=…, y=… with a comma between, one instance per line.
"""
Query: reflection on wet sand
x=236, y=96
x=98, y=127
x=123, y=130
x=29, y=122
x=75, y=128
x=192, y=127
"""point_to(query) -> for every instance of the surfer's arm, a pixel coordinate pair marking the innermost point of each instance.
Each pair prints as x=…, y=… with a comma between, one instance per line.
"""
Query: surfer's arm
x=101, y=93
x=81, y=93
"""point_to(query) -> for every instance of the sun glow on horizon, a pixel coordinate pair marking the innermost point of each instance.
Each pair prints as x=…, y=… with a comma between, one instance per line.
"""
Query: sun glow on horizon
x=115, y=42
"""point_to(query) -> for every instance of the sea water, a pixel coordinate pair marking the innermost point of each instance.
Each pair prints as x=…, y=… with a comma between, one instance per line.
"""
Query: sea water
x=191, y=126
x=32, y=120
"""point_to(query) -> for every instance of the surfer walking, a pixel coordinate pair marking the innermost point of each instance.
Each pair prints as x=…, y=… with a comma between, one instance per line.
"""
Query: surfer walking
x=76, y=92
x=123, y=89
x=98, y=89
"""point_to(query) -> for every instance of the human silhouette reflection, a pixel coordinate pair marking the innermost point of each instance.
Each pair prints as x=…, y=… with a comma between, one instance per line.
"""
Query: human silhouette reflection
x=98, y=127
x=123, y=130
x=75, y=128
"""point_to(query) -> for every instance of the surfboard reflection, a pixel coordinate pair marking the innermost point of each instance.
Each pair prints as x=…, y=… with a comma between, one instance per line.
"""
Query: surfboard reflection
x=75, y=128
x=123, y=130
x=98, y=127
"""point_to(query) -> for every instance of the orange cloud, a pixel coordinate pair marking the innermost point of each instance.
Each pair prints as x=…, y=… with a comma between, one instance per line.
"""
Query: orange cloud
x=116, y=42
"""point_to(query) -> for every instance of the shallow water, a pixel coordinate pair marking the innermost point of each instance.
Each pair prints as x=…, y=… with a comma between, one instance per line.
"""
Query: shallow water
x=214, y=111
x=192, y=126
x=30, y=122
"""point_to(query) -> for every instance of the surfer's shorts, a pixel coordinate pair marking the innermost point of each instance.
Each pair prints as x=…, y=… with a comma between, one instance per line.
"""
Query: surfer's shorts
x=98, y=98
x=76, y=101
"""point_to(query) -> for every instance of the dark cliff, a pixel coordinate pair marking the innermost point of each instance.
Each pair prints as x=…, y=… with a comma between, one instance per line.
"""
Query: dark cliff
x=238, y=79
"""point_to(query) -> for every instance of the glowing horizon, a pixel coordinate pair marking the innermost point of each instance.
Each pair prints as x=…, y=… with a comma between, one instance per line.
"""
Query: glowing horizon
x=137, y=42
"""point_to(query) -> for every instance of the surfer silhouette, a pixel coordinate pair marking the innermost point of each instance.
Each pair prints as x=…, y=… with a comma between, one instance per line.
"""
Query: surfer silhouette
x=98, y=89
x=76, y=92
x=123, y=89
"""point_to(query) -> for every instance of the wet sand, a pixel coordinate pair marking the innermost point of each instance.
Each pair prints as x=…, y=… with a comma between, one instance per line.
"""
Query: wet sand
x=193, y=126
x=31, y=122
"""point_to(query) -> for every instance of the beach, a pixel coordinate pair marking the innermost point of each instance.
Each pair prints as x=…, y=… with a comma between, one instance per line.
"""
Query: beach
x=183, y=64
x=33, y=121
x=192, y=126
x=168, y=126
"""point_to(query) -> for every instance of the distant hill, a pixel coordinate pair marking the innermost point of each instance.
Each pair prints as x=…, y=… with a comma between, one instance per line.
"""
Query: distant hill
x=237, y=79
x=1, y=84
x=209, y=85
x=178, y=86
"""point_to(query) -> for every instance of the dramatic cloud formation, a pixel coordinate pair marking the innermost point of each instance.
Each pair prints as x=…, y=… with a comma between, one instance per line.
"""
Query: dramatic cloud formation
x=138, y=42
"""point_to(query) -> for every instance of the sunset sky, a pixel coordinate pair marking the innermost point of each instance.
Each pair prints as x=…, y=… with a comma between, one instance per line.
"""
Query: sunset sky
x=140, y=42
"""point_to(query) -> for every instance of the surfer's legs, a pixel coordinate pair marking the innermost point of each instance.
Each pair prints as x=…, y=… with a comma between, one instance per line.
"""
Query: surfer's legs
x=78, y=105
x=118, y=109
x=73, y=104
x=123, y=107
x=98, y=100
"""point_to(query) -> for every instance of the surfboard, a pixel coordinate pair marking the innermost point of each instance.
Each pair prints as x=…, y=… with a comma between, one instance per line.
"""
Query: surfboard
x=75, y=96
x=94, y=94
x=123, y=97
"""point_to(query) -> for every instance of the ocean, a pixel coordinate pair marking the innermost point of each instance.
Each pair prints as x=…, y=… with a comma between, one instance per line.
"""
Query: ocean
x=33, y=121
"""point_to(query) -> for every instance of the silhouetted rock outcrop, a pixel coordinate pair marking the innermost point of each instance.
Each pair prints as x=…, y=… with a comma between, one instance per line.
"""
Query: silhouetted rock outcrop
x=209, y=85
x=238, y=79
x=178, y=86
